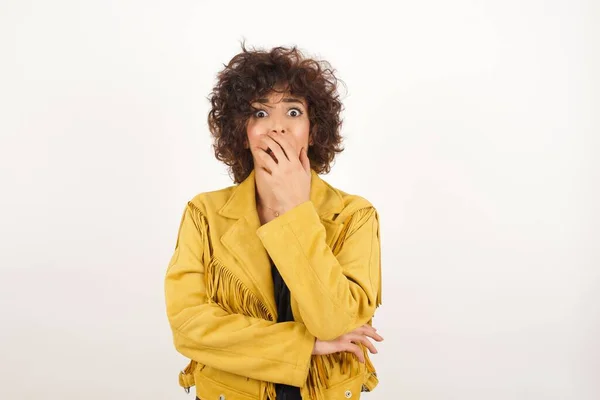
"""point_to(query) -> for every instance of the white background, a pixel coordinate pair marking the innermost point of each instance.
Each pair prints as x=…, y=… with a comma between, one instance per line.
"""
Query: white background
x=472, y=126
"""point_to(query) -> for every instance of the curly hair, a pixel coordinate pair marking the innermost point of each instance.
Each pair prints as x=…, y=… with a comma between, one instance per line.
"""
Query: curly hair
x=252, y=74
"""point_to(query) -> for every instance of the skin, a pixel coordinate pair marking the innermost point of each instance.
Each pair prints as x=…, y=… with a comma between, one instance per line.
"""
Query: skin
x=278, y=136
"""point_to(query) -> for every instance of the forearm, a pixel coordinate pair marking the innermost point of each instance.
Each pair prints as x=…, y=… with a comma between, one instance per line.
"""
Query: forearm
x=335, y=294
x=246, y=346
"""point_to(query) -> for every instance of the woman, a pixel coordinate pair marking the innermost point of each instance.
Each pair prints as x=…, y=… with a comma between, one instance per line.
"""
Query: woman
x=274, y=281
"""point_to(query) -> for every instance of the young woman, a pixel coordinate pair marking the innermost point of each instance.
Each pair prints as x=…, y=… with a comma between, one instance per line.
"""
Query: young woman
x=274, y=281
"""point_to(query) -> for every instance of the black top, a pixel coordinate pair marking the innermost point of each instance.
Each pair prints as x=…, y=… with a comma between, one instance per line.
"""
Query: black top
x=284, y=313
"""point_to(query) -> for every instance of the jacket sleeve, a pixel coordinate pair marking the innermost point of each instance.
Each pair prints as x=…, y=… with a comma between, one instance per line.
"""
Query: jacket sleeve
x=335, y=293
x=205, y=332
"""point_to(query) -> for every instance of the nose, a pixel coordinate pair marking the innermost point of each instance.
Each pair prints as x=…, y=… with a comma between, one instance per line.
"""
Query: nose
x=277, y=125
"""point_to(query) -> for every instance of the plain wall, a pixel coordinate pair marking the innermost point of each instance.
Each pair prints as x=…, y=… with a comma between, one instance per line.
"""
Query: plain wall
x=472, y=126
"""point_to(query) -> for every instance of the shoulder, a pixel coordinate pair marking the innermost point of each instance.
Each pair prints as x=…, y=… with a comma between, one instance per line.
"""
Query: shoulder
x=353, y=203
x=356, y=212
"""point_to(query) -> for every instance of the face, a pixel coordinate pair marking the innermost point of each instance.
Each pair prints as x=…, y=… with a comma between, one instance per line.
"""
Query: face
x=280, y=112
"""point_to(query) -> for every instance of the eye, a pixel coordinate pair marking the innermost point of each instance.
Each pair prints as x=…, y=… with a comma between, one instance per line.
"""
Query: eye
x=295, y=112
x=260, y=114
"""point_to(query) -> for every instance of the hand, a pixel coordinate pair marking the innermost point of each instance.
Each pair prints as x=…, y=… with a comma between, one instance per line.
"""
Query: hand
x=349, y=342
x=288, y=175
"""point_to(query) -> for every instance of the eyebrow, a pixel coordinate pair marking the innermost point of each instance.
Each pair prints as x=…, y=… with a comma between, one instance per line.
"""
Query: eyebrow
x=285, y=100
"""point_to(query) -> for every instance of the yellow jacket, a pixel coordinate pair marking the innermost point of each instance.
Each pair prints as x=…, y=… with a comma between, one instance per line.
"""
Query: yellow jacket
x=220, y=302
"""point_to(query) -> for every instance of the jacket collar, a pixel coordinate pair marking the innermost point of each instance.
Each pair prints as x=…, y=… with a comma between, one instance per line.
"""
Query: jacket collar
x=242, y=201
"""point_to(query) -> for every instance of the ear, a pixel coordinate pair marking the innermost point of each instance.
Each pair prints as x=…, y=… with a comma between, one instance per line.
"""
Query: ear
x=311, y=135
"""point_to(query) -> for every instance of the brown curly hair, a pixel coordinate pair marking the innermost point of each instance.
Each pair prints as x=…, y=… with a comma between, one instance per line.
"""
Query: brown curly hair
x=252, y=74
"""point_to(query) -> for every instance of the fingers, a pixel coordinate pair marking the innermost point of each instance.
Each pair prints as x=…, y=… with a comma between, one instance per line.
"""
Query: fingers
x=369, y=331
x=362, y=334
x=265, y=161
x=352, y=348
x=275, y=147
x=286, y=144
x=357, y=338
x=375, y=336
x=350, y=342
x=304, y=160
